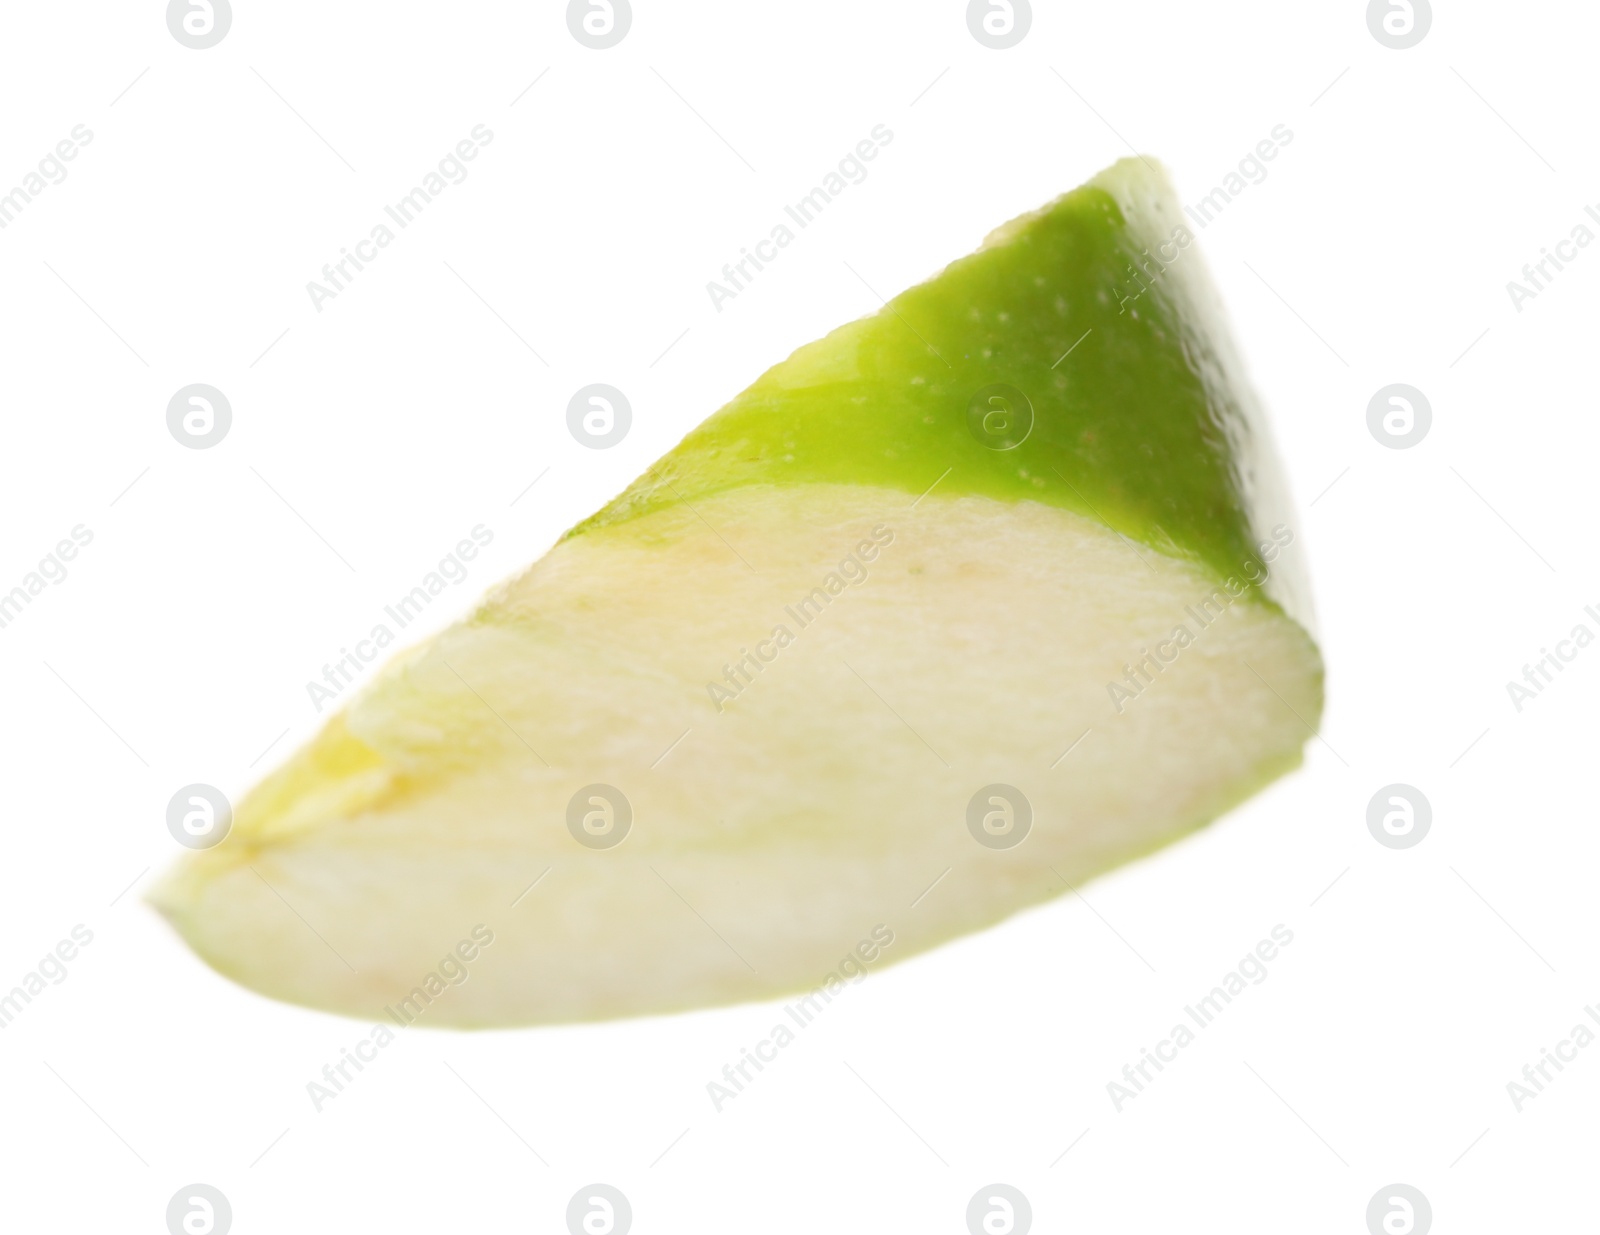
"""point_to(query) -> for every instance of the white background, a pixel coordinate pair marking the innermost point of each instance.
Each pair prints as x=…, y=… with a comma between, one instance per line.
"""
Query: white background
x=178, y=249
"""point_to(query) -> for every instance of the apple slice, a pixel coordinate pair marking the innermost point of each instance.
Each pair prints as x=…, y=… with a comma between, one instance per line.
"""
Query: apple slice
x=991, y=591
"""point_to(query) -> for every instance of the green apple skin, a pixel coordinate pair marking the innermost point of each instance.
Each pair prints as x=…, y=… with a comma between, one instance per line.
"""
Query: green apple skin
x=1148, y=425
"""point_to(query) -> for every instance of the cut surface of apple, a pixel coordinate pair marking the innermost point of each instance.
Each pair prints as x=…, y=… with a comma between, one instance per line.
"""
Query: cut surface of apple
x=959, y=606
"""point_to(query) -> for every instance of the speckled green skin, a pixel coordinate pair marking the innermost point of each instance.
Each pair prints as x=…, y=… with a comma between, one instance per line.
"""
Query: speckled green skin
x=1148, y=425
